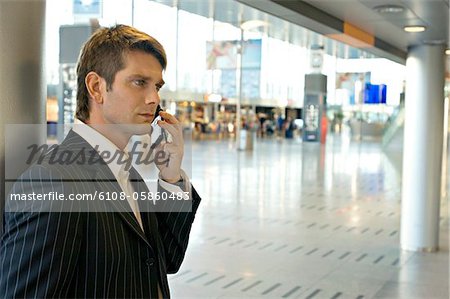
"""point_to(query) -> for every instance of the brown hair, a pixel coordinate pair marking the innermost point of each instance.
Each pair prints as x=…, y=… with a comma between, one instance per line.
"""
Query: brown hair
x=104, y=53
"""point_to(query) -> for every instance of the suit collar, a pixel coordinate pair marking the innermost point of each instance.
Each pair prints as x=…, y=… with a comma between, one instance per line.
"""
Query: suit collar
x=97, y=170
x=118, y=160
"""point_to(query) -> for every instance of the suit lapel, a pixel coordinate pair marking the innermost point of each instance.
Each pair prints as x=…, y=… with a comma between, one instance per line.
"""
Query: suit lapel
x=149, y=221
x=104, y=179
x=122, y=207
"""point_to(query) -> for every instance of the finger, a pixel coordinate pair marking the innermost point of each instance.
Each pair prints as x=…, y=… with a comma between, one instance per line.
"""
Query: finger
x=175, y=134
x=173, y=129
x=174, y=150
x=160, y=156
x=168, y=117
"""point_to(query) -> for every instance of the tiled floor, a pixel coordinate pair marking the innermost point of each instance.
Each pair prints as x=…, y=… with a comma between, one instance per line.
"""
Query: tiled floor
x=301, y=220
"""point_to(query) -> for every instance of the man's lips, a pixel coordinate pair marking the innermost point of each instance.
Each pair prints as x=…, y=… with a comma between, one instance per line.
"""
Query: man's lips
x=147, y=115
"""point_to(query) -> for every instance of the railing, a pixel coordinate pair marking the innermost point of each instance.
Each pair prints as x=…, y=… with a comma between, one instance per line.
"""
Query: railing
x=396, y=122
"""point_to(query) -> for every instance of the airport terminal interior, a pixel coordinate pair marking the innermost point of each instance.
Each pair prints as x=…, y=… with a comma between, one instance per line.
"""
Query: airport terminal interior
x=304, y=133
x=304, y=220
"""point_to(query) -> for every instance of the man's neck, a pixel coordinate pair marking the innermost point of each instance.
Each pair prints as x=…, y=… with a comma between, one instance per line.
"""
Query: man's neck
x=111, y=132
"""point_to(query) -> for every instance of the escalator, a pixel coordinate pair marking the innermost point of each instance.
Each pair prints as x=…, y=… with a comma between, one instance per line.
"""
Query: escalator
x=393, y=132
x=392, y=140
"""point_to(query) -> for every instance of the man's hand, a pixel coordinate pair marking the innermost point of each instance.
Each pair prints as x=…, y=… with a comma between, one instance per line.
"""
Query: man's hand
x=172, y=150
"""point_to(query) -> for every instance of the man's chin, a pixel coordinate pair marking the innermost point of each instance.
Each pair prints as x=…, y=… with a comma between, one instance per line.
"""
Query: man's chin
x=135, y=129
x=140, y=129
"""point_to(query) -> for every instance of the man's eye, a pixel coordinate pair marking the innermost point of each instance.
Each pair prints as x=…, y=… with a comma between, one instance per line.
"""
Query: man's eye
x=158, y=87
x=139, y=82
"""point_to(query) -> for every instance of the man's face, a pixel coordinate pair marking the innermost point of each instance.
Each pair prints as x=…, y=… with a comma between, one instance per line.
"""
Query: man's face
x=134, y=96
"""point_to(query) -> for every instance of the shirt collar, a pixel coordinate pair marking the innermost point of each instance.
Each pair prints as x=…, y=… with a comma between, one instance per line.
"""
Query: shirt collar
x=103, y=144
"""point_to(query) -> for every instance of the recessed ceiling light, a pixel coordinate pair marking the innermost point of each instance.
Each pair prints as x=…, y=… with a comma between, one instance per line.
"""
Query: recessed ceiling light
x=389, y=9
x=447, y=52
x=414, y=28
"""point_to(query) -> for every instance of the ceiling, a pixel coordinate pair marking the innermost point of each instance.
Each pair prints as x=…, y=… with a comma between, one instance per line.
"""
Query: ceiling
x=390, y=40
x=305, y=22
x=235, y=13
x=434, y=14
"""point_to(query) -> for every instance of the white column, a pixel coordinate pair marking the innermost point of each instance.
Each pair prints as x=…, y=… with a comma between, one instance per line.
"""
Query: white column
x=239, y=91
x=422, y=150
x=22, y=77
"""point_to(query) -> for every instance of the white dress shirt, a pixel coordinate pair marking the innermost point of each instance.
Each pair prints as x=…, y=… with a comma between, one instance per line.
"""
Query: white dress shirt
x=103, y=144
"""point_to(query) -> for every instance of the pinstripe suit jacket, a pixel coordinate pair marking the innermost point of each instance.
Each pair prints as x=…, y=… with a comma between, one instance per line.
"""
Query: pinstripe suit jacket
x=103, y=254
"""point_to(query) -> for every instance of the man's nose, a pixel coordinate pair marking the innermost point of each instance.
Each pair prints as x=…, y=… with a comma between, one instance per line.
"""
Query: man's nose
x=152, y=98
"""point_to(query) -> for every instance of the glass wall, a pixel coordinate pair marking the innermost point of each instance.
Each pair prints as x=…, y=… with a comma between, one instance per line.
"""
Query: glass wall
x=160, y=21
x=203, y=45
x=194, y=32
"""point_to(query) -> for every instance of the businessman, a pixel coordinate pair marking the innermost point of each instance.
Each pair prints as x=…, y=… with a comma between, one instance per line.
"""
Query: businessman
x=118, y=247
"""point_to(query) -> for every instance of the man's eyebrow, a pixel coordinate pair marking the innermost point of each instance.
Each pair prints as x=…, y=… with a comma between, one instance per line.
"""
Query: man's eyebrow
x=143, y=77
x=140, y=76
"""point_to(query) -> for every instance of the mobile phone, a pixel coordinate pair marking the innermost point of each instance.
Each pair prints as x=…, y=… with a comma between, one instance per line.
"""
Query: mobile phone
x=158, y=109
x=158, y=133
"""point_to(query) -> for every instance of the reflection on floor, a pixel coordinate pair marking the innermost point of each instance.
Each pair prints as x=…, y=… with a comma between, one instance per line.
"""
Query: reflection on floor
x=301, y=220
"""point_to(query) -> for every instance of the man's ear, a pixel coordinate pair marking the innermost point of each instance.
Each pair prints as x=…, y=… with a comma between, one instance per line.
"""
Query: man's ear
x=95, y=86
